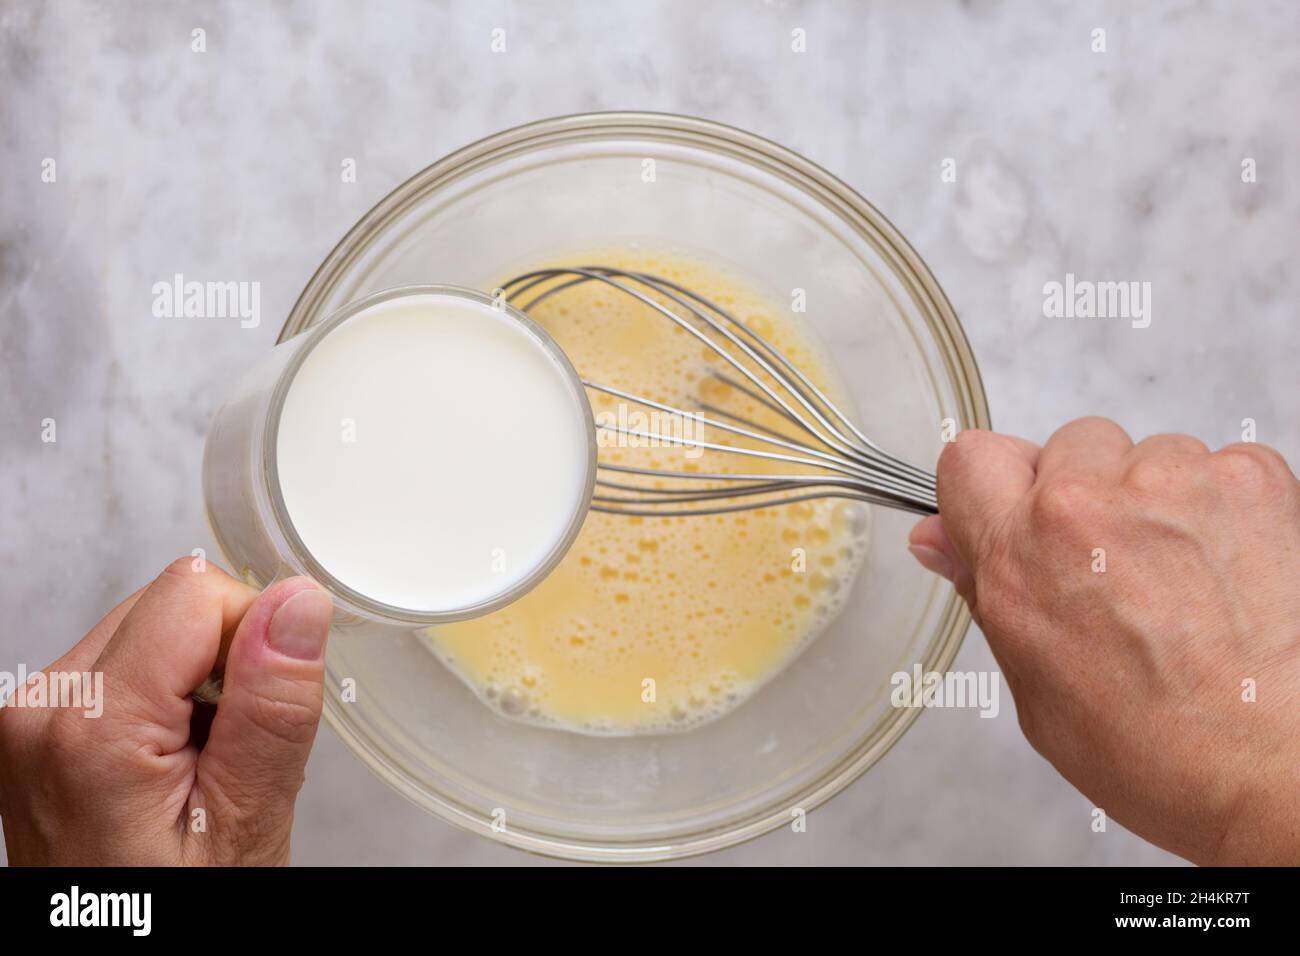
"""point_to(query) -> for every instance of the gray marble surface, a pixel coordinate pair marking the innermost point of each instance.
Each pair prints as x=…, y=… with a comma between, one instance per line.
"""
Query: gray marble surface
x=1123, y=164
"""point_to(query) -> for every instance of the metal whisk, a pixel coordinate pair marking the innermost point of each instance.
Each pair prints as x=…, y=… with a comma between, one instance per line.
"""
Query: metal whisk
x=830, y=457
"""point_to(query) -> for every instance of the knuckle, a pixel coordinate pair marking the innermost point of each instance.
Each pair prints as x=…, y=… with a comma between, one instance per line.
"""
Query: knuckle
x=961, y=457
x=1095, y=421
x=1093, y=425
x=1252, y=465
x=182, y=587
x=968, y=444
x=1154, y=475
x=1172, y=443
x=178, y=582
x=181, y=568
x=1063, y=506
x=182, y=571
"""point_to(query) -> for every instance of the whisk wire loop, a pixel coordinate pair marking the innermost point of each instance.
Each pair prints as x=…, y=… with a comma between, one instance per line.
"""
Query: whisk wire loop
x=841, y=461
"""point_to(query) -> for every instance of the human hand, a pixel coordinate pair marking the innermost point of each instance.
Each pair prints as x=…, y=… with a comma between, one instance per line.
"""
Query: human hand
x=1135, y=681
x=149, y=781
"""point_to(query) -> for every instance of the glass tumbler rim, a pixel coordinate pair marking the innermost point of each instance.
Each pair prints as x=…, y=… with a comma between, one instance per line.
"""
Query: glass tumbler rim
x=356, y=600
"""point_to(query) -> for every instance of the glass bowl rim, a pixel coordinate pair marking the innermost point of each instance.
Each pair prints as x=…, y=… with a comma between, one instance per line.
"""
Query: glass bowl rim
x=869, y=224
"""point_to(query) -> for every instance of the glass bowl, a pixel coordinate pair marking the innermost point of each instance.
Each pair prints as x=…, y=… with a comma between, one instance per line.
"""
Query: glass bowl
x=530, y=196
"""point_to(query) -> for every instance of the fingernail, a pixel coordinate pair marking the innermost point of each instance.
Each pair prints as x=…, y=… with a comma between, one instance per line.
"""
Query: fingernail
x=299, y=626
x=932, y=559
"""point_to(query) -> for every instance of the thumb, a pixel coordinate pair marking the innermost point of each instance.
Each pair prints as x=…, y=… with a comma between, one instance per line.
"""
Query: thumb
x=981, y=477
x=251, y=768
x=931, y=546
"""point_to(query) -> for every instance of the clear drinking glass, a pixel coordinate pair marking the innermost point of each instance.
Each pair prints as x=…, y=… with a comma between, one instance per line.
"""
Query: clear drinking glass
x=556, y=189
x=242, y=491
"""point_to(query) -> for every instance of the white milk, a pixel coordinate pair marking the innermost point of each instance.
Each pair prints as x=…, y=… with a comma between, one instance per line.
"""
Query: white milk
x=432, y=453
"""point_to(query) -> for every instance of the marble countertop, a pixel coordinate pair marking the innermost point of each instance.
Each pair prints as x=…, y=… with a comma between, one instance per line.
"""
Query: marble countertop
x=1122, y=164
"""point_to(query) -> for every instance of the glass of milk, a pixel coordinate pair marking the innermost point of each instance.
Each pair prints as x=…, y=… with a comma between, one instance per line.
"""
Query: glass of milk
x=427, y=454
